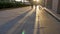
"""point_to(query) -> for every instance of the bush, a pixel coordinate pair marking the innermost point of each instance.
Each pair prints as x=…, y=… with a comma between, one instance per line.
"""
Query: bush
x=11, y=4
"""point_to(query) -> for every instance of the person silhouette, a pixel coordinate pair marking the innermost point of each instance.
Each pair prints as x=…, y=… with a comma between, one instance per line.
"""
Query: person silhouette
x=31, y=6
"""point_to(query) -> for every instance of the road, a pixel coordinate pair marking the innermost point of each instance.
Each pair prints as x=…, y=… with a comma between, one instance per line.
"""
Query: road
x=28, y=21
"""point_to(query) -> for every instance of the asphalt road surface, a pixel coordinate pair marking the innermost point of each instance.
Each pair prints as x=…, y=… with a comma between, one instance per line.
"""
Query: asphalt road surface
x=28, y=21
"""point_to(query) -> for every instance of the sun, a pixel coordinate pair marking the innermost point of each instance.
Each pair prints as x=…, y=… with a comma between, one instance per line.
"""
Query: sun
x=17, y=0
x=36, y=0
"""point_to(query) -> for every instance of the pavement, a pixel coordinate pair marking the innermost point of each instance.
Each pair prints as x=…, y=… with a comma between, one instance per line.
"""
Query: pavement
x=28, y=21
x=53, y=13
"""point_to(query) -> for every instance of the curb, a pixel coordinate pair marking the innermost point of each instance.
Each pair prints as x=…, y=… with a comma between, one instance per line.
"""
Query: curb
x=56, y=17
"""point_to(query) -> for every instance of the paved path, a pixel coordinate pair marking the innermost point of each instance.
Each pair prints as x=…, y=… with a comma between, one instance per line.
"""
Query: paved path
x=28, y=21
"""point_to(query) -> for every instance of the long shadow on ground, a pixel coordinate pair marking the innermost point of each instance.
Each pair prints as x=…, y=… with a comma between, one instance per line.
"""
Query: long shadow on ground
x=28, y=26
x=4, y=28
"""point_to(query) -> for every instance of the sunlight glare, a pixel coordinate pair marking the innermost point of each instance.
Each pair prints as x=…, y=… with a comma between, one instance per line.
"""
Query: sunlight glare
x=23, y=32
x=37, y=10
x=17, y=0
x=36, y=0
x=37, y=19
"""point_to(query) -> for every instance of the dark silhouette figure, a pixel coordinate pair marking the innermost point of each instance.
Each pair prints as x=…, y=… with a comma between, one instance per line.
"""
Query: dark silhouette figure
x=31, y=6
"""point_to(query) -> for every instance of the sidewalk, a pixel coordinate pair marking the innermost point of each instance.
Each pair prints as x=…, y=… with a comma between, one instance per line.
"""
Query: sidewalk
x=53, y=13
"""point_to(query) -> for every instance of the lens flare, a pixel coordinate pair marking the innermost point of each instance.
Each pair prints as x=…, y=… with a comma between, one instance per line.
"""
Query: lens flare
x=23, y=32
x=36, y=0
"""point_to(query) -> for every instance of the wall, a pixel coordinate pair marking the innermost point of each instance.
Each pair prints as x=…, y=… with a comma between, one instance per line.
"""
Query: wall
x=54, y=5
x=58, y=9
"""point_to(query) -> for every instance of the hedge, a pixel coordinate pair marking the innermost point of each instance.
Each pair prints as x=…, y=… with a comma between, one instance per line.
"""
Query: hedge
x=11, y=4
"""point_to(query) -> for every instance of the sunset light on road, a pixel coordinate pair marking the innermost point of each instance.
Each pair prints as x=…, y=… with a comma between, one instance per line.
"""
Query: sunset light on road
x=29, y=16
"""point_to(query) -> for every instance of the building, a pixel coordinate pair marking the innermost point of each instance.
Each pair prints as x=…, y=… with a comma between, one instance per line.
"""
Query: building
x=53, y=5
